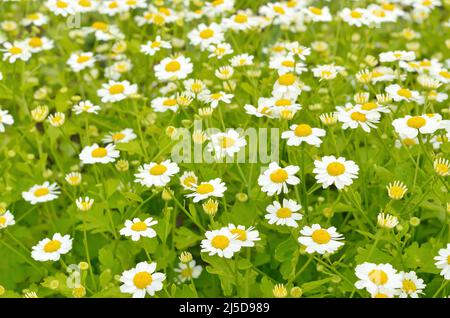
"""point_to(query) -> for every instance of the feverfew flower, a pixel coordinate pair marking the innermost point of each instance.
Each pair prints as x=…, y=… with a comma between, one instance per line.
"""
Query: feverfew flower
x=275, y=179
x=142, y=280
x=320, y=240
x=338, y=171
x=51, y=249
x=137, y=228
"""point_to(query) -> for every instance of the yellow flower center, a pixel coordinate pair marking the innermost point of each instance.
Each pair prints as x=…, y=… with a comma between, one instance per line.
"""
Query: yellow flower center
x=279, y=176
x=41, y=192
x=396, y=192
x=321, y=236
x=99, y=152
x=35, y=42
x=283, y=102
x=388, y=6
x=378, y=277
x=139, y=226
x=284, y=213
x=155, y=44
x=173, y=66
x=286, y=79
x=100, y=26
x=442, y=168
x=118, y=136
x=416, y=122
x=355, y=14
x=206, y=33
x=380, y=295
x=409, y=286
x=278, y=9
x=186, y=273
x=303, y=130
x=205, y=188
x=288, y=63
x=226, y=142
x=2, y=220
x=369, y=106
x=33, y=17
x=142, y=279
x=83, y=59
x=409, y=142
x=445, y=74
x=240, y=18
x=220, y=241
x=85, y=3
x=404, y=92
x=241, y=234
x=335, y=169
x=170, y=102
x=158, y=169
x=61, y=4
x=15, y=50
x=357, y=116
x=113, y=5
x=116, y=89
x=216, y=96
x=315, y=10
x=189, y=181
x=52, y=246
x=448, y=260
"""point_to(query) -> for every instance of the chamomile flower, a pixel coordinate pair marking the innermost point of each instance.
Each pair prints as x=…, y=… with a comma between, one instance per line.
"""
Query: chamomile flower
x=85, y=106
x=320, y=240
x=286, y=64
x=5, y=119
x=205, y=35
x=412, y=286
x=15, y=51
x=220, y=50
x=393, y=56
x=303, y=133
x=354, y=117
x=84, y=204
x=318, y=14
x=188, y=180
x=442, y=167
x=142, y=280
x=242, y=60
x=399, y=94
x=204, y=190
x=326, y=72
x=41, y=193
x=156, y=174
x=151, y=47
x=410, y=126
x=112, y=7
x=242, y=20
x=35, y=18
x=298, y=50
x=275, y=179
x=173, y=68
x=6, y=219
x=443, y=261
x=97, y=154
x=386, y=220
x=57, y=119
x=373, y=276
x=188, y=271
x=163, y=104
x=125, y=135
x=73, y=178
x=287, y=87
x=226, y=144
x=284, y=214
x=246, y=236
x=213, y=99
x=114, y=91
x=51, y=249
x=137, y=228
x=39, y=44
x=264, y=108
x=63, y=8
x=221, y=242
x=356, y=17
x=330, y=170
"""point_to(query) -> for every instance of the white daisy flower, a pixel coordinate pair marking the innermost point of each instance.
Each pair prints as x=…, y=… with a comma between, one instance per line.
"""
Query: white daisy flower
x=163, y=104
x=61, y=7
x=123, y=136
x=188, y=271
x=287, y=86
x=410, y=126
x=443, y=261
x=412, y=286
x=41, y=193
x=275, y=179
x=247, y=237
x=221, y=242
x=303, y=133
x=213, y=99
x=242, y=60
x=156, y=174
x=320, y=240
x=39, y=44
x=116, y=91
x=142, y=280
x=327, y=72
x=16, y=51
x=373, y=276
x=188, y=180
x=338, y=171
x=205, y=35
x=284, y=214
x=354, y=116
x=137, y=228
x=35, y=18
x=286, y=64
x=211, y=188
x=85, y=107
x=173, y=68
x=97, y=154
x=219, y=50
x=226, y=144
x=399, y=94
x=318, y=14
x=151, y=47
x=6, y=219
x=52, y=249
x=5, y=119
x=393, y=56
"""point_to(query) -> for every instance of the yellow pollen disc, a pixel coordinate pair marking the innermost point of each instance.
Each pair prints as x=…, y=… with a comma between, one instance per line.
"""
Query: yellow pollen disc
x=155, y=44
x=335, y=169
x=216, y=3
x=164, y=11
x=226, y=142
x=442, y=168
x=139, y=226
x=61, y=4
x=283, y=102
x=378, y=277
x=380, y=295
x=448, y=260
x=288, y=63
x=425, y=63
x=284, y=213
x=205, y=188
x=321, y=236
x=409, y=286
x=158, y=170
x=85, y=3
x=100, y=152
x=379, y=13
x=369, y=106
x=388, y=6
x=118, y=136
x=52, y=246
x=286, y=79
x=355, y=14
x=83, y=59
x=116, y=89
x=396, y=192
x=15, y=50
x=278, y=9
x=35, y=42
x=220, y=241
x=187, y=272
x=315, y=10
x=189, y=181
x=240, y=18
x=41, y=192
x=33, y=17
x=279, y=176
x=142, y=279
x=416, y=122
x=100, y=26
x=404, y=92
x=445, y=74
x=216, y=95
x=2, y=220
x=173, y=66
x=113, y=5
x=206, y=33
x=170, y=102
x=159, y=19
x=358, y=116
x=409, y=142
x=303, y=130
x=242, y=234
